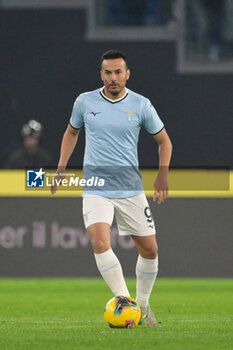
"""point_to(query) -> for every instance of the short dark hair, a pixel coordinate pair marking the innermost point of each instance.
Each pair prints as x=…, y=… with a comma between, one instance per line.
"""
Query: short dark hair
x=111, y=55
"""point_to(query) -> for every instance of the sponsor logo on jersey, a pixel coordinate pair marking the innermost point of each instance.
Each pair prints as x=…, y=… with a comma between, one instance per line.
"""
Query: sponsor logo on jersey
x=95, y=113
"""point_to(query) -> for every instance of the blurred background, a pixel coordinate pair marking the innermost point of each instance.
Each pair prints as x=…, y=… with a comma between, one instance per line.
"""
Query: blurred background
x=180, y=53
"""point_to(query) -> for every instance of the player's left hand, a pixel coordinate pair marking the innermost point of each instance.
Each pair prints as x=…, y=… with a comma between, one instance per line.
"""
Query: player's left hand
x=161, y=188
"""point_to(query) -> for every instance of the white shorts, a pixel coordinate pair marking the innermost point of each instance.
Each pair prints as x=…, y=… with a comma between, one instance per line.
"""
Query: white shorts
x=133, y=215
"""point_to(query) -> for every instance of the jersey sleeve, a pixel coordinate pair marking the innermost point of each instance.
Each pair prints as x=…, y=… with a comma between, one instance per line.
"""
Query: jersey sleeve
x=76, y=119
x=150, y=119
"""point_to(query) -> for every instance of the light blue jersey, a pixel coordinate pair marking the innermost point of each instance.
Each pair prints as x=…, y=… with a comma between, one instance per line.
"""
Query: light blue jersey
x=112, y=131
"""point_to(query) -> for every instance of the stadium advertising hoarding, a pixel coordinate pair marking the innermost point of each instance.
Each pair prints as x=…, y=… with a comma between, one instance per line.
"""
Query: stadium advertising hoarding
x=46, y=237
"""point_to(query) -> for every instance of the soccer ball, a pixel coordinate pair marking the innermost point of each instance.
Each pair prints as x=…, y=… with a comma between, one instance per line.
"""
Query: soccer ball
x=122, y=312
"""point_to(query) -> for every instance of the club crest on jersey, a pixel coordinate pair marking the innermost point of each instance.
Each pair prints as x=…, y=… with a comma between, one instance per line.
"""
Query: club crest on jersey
x=130, y=113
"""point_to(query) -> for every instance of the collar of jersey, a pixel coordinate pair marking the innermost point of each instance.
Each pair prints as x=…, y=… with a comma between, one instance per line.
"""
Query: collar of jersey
x=113, y=101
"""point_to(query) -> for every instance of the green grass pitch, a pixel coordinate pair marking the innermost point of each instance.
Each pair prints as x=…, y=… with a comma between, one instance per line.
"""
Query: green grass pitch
x=67, y=314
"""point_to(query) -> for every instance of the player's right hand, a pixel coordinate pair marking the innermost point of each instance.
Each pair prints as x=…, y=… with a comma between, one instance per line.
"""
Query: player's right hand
x=59, y=176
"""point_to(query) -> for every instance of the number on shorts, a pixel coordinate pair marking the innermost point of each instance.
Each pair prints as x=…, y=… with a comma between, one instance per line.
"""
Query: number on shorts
x=148, y=214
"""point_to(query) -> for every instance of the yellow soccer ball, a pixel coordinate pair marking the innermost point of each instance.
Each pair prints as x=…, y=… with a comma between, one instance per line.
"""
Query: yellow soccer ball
x=122, y=312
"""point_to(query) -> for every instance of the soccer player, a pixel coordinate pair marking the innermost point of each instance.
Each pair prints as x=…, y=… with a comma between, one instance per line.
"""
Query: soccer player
x=113, y=116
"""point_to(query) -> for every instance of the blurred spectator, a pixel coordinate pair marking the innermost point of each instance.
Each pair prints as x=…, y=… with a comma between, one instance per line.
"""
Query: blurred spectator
x=214, y=11
x=158, y=12
x=135, y=11
x=228, y=29
x=138, y=12
x=30, y=154
x=204, y=28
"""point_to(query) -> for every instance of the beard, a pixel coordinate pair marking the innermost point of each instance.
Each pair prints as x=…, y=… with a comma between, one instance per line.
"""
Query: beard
x=115, y=92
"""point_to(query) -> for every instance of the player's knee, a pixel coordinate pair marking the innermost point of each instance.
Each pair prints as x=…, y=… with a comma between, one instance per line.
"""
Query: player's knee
x=151, y=252
x=99, y=246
